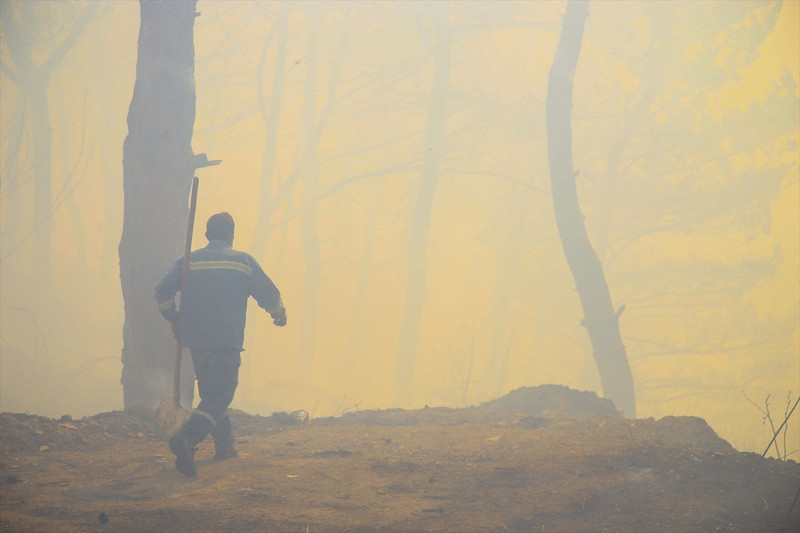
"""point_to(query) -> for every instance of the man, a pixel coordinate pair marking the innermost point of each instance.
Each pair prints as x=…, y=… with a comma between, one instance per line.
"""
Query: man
x=211, y=323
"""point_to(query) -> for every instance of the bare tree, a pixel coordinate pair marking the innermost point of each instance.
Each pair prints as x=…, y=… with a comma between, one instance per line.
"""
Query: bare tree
x=661, y=180
x=305, y=168
x=158, y=164
x=67, y=172
x=22, y=29
x=271, y=118
x=308, y=325
x=600, y=319
x=433, y=148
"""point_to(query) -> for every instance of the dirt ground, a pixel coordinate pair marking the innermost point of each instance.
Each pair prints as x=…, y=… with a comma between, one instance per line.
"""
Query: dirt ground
x=541, y=459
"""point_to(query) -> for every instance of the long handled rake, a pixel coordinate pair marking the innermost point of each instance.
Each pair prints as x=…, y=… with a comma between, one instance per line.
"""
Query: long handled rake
x=170, y=416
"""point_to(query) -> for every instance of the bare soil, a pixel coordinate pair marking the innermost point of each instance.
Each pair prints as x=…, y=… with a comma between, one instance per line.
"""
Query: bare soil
x=543, y=458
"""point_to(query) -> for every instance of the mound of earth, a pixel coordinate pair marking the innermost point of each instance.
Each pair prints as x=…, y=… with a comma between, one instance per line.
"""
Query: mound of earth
x=539, y=459
x=24, y=432
x=543, y=403
x=553, y=400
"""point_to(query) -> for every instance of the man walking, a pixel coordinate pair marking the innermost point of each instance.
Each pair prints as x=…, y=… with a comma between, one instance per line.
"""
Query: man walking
x=211, y=323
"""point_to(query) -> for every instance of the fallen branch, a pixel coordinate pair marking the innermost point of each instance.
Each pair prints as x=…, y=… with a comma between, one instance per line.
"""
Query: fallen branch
x=775, y=436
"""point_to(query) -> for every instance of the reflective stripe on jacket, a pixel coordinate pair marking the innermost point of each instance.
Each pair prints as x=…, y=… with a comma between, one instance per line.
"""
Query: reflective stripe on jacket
x=214, y=304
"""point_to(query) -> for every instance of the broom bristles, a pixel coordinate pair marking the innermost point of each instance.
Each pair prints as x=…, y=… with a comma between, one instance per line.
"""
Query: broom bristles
x=169, y=418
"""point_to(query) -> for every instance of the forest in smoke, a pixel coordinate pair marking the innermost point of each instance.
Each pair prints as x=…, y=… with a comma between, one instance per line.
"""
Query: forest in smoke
x=685, y=125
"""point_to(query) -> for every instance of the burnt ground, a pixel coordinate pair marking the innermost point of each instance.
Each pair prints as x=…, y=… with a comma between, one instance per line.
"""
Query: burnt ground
x=544, y=459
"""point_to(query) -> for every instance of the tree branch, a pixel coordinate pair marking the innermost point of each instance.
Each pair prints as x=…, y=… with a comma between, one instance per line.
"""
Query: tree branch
x=54, y=60
x=9, y=72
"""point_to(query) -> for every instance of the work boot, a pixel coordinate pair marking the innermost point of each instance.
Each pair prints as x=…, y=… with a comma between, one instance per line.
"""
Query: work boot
x=184, y=454
x=225, y=449
x=223, y=439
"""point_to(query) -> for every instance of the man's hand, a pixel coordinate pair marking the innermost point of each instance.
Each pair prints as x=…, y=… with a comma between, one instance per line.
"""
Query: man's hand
x=176, y=330
x=279, y=319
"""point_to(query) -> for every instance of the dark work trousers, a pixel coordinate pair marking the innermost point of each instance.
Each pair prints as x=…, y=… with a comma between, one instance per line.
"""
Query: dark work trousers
x=217, y=371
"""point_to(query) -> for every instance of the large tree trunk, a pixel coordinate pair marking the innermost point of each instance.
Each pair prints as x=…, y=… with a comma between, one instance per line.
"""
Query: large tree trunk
x=599, y=317
x=418, y=243
x=158, y=165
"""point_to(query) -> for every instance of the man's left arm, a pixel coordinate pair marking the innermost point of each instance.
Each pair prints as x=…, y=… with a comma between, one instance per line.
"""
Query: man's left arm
x=266, y=294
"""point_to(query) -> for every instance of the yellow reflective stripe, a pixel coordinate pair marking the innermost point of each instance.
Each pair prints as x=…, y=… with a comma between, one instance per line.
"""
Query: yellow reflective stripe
x=166, y=304
x=221, y=265
x=205, y=415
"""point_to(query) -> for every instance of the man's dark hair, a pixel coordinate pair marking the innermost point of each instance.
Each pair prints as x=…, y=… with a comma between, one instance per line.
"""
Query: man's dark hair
x=219, y=226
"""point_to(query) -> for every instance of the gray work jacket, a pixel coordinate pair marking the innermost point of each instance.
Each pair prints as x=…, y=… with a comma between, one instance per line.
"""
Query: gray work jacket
x=213, y=305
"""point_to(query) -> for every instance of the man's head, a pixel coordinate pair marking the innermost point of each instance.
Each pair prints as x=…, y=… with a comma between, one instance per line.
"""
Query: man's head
x=220, y=227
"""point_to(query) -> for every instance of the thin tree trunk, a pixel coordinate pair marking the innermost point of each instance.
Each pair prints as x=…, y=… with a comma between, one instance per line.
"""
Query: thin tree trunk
x=599, y=317
x=508, y=260
x=309, y=140
x=158, y=165
x=308, y=324
x=42, y=132
x=418, y=243
x=69, y=166
x=312, y=127
x=360, y=297
x=271, y=121
x=358, y=370
x=108, y=156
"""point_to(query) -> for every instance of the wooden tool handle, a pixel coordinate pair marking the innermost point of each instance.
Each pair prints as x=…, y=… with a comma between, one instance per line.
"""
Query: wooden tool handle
x=176, y=384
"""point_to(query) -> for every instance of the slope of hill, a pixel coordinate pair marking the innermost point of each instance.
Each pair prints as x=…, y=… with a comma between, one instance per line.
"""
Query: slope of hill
x=539, y=459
